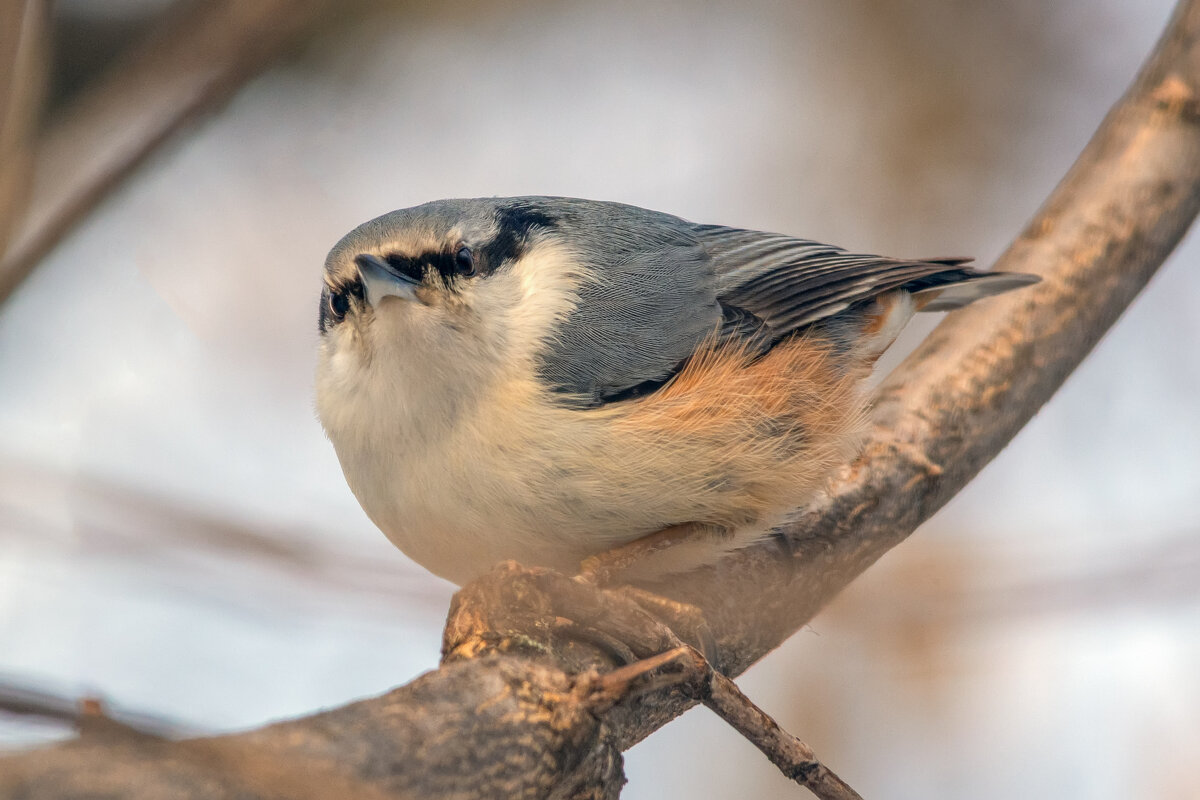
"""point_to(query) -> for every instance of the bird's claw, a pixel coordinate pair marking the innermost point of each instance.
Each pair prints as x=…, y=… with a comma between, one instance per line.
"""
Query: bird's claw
x=542, y=611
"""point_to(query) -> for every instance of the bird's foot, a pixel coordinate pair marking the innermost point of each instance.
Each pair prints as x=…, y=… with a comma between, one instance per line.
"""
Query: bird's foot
x=629, y=559
x=622, y=642
x=537, y=610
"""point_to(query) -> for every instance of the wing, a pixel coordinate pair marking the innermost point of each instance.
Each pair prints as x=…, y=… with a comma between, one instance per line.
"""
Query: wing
x=788, y=283
x=649, y=302
x=660, y=286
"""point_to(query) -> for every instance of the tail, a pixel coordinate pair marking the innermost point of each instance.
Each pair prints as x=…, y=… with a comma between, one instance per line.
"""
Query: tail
x=955, y=288
x=869, y=328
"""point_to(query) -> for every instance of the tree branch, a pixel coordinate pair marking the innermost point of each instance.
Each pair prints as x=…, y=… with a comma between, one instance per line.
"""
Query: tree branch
x=22, y=81
x=513, y=712
x=85, y=713
x=192, y=64
x=957, y=400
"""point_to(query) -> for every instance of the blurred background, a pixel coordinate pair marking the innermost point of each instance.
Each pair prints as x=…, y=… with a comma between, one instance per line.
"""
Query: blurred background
x=175, y=533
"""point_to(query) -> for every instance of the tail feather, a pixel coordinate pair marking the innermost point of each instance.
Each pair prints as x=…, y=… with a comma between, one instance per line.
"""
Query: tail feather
x=946, y=291
x=868, y=329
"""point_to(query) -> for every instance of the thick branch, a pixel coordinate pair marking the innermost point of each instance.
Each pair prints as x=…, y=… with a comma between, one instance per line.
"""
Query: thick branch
x=985, y=371
x=507, y=716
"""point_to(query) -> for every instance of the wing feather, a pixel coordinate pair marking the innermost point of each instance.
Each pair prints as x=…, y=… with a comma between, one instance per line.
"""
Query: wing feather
x=788, y=283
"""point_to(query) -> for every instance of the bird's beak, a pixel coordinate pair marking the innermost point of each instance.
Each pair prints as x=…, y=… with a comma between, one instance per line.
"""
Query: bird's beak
x=380, y=280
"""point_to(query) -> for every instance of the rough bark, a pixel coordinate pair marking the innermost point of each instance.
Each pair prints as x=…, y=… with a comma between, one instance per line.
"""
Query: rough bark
x=516, y=711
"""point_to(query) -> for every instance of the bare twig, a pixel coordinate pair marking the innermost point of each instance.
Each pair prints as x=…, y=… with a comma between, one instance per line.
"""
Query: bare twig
x=194, y=63
x=88, y=714
x=686, y=668
x=501, y=722
x=793, y=757
x=27, y=702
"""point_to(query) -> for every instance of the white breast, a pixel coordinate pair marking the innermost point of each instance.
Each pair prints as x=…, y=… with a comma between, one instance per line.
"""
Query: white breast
x=464, y=486
x=451, y=446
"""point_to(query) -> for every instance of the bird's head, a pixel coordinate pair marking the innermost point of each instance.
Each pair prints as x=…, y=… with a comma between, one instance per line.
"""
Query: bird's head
x=452, y=292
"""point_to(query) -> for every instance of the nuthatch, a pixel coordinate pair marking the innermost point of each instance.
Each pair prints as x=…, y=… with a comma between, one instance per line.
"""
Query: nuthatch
x=546, y=379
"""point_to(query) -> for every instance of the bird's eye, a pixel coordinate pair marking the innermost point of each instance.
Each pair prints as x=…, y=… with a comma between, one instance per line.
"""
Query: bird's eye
x=464, y=262
x=339, y=303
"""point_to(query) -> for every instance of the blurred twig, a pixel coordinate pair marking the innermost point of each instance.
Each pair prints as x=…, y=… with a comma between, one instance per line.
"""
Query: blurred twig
x=111, y=519
x=22, y=79
x=193, y=63
x=86, y=713
x=934, y=600
x=18, y=699
x=1164, y=571
x=504, y=718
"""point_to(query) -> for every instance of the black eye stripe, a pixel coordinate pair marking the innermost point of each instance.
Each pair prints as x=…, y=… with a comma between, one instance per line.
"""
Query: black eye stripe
x=412, y=267
x=447, y=264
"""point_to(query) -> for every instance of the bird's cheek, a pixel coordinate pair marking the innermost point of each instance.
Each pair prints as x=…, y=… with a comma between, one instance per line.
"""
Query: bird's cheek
x=343, y=352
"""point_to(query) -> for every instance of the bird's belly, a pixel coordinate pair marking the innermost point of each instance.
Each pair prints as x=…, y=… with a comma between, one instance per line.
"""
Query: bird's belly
x=540, y=489
x=530, y=480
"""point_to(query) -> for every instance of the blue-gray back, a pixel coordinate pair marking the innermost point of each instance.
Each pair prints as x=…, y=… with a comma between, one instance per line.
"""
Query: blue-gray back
x=651, y=303
x=663, y=286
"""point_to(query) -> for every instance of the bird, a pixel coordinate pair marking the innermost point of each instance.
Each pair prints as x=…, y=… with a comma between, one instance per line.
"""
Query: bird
x=581, y=384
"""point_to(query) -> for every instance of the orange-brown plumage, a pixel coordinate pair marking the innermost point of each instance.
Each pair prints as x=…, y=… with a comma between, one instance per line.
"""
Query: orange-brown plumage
x=772, y=427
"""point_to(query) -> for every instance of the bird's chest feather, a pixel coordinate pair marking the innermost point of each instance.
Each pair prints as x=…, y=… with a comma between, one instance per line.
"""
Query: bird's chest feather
x=455, y=476
x=511, y=473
